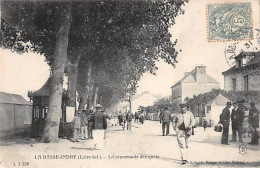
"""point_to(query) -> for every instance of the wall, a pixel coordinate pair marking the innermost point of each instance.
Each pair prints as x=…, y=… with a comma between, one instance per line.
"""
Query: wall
x=253, y=81
x=190, y=89
x=13, y=118
x=176, y=91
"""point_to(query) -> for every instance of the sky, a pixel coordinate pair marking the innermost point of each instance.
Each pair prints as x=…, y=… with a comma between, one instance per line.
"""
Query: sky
x=20, y=73
x=191, y=31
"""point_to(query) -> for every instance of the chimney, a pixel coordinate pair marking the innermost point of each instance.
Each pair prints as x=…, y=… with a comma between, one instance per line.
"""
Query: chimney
x=186, y=73
x=201, y=74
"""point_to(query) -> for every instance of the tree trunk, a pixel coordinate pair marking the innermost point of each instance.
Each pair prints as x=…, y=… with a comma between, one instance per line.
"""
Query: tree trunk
x=91, y=94
x=51, y=129
x=96, y=96
x=72, y=71
x=85, y=94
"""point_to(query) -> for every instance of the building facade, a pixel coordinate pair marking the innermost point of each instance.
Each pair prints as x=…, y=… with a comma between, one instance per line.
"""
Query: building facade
x=193, y=83
x=245, y=74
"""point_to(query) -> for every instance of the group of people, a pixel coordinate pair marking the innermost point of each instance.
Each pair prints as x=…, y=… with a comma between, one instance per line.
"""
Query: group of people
x=126, y=118
x=182, y=123
x=237, y=116
x=94, y=124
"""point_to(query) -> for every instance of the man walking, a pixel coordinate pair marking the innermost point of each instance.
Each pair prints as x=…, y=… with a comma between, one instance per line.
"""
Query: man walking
x=224, y=120
x=90, y=118
x=234, y=122
x=182, y=123
x=99, y=128
x=129, y=117
x=166, y=118
x=254, y=124
x=136, y=117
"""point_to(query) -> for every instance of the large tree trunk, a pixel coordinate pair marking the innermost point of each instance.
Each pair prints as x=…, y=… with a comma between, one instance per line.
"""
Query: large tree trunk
x=96, y=96
x=90, y=97
x=72, y=71
x=86, y=89
x=51, y=129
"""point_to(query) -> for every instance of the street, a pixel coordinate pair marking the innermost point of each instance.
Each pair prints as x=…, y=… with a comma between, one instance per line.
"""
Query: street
x=143, y=146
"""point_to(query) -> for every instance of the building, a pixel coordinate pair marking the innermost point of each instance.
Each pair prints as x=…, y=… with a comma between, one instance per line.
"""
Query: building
x=144, y=99
x=245, y=74
x=193, y=83
x=214, y=108
x=40, y=100
x=15, y=114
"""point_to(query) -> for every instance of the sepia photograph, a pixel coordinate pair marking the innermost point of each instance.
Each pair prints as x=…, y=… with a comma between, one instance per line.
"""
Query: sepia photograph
x=129, y=83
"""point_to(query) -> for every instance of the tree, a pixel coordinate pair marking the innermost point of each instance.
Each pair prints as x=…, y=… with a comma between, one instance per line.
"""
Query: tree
x=104, y=34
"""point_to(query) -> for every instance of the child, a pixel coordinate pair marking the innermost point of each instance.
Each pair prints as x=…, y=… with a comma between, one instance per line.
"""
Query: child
x=76, y=127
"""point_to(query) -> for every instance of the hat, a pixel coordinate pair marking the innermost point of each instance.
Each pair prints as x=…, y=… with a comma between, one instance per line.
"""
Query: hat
x=98, y=105
x=182, y=105
x=228, y=103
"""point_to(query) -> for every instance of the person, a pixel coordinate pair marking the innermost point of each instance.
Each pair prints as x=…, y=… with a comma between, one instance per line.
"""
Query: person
x=166, y=118
x=142, y=119
x=105, y=122
x=129, y=117
x=99, y=128
x=120, y=119
x=160, y=116
x=205, y=124
x=90, y=118
x=234, y=122
x=123, y=119
x=76, y=126
x=136, y=117
x=240, y=115
x=83, y=124
x=254, y=124
x=224, y=120
x=182, y=123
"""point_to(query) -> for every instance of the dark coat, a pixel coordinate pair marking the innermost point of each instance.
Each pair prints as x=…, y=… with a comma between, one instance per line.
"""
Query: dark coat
x=225, y=117
x=233, y=117
x=240, y=115
x=254, y=117
x=99, y=120
x=166, y=116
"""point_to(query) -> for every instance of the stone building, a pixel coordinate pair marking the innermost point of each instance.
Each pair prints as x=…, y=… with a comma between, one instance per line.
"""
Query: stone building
x=245, y=74
x=193, y=83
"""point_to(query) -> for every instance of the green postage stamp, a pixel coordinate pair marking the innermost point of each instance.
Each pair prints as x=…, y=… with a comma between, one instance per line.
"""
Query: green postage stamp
x=228, y=22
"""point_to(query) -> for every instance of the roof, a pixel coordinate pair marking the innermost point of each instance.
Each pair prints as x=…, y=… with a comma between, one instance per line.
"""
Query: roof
x=44, y=90
x=255, y=60
x=7, y=98
x=191, y=78
x=219, y=100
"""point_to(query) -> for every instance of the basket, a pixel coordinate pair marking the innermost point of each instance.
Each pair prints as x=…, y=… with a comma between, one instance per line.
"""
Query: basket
x=218, y=128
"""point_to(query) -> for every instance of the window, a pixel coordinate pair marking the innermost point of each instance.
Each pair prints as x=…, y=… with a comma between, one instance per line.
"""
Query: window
x=246, y=82
x=208, y=109
x=234, y=84
x=36, y=112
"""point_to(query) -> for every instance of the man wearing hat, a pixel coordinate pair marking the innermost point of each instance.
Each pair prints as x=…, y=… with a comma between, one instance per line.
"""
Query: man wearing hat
x=234, y=122
x=166, y=118
x=99, y=127
x=182, y=123
x=254, y=124
x=224, y=120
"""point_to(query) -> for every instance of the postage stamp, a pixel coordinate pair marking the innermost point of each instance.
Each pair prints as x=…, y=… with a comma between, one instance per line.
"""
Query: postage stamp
x=227, y=22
